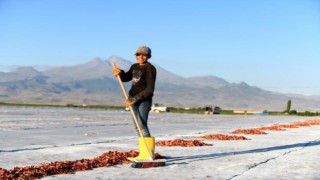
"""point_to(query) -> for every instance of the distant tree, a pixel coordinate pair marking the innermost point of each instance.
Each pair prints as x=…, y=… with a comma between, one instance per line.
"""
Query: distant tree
x=288, y=106
x=293, y=112
x=307, y=113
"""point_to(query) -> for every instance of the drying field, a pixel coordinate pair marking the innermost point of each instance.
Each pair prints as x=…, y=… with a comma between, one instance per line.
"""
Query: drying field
x=74, y=143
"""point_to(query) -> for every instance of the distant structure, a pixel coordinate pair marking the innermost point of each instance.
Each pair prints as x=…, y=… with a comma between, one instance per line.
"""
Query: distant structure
x=210, y=110
x=245, y=111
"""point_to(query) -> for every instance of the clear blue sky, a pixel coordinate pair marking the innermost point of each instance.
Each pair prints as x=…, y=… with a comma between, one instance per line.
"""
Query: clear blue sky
x=272, y=44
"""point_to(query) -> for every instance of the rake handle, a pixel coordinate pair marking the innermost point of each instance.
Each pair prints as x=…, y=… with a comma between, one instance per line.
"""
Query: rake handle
x=132, y=112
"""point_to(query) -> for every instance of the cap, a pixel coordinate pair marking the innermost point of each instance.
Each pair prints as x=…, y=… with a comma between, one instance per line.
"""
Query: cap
x=144, y=50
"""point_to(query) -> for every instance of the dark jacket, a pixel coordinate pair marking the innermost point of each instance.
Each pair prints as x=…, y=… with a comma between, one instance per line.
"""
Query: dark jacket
x=143, y=79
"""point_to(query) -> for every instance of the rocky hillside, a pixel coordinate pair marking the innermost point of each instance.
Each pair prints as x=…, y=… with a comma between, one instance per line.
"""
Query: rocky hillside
x=93, y=83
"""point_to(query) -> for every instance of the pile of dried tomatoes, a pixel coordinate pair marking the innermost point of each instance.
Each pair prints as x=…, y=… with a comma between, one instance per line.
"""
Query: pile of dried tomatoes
x=182, y=143
x=107, y=159
x=248, y=131
x=280, y=127
x=223, y=137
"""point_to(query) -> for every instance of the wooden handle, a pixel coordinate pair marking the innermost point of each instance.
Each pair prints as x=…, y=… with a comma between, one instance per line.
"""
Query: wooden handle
x=133, y=114
x=121, y=84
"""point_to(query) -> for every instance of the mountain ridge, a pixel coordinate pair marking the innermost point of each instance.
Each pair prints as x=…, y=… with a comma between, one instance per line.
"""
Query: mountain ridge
x=93, y=83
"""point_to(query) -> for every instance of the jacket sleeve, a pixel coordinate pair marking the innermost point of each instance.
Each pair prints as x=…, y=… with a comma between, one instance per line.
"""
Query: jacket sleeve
x=126, y=76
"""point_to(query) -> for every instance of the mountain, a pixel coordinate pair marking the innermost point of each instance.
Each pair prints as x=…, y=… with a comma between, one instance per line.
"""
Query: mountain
x=93, y=83
x=211, y=81
x=19, y=73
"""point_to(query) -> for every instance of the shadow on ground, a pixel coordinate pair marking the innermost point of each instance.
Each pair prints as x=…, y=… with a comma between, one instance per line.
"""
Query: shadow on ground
x=219, y=155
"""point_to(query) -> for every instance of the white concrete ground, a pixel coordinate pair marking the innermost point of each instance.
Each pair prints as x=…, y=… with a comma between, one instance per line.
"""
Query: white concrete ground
x=31, y=136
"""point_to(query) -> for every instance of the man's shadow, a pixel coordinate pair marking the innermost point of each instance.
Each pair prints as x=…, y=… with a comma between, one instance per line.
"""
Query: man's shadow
x=172, y=159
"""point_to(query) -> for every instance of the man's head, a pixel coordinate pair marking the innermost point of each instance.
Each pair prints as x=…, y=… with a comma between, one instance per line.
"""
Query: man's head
x=143, y=50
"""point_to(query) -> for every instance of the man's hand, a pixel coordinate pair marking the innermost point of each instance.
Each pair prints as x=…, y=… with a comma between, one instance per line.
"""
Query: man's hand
x=116, y=72
x=130, y=101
